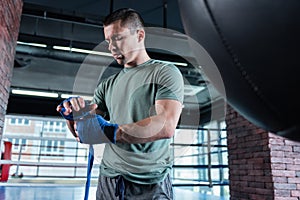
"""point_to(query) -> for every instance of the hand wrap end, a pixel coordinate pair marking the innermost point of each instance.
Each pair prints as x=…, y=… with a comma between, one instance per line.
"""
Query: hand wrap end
x=93, y=129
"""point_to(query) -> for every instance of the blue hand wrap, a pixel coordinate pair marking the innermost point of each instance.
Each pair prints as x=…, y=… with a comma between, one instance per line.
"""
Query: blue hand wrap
x=93, y=129
x=73, y=117
x=89, y=172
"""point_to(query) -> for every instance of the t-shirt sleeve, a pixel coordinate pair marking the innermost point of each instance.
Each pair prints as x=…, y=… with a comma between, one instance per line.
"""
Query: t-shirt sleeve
x=170, y=83
x=99, y=97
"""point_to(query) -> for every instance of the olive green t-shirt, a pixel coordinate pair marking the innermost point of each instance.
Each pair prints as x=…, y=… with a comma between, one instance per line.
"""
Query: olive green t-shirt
x=128, y=97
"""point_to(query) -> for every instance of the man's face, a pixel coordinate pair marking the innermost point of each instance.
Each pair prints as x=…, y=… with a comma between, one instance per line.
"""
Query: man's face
x=123, y=44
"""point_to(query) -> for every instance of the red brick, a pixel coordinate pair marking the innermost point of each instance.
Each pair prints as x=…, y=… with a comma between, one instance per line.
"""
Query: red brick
x=296, y=149
x=276, y=141
x=253, y=137
x=291, y=155
x=292, y=143
x=249, y=190
x=264, y=179
x=260, y=197
x=256, y=173
x=282, y=193
x=262, y=166
x=263, y=191
x=269, y=185
x=283, y=173
x=278, y=166
x=247, y=178
x=282, y=160
x=295, y=193
x=239, y=184
x=262, y=154
x=281, y=148
x=293, y=167
x=256, y=161
x=294, y=180
x=277, y=154
x=285, y=186
x=280, y=179
x=297, y=161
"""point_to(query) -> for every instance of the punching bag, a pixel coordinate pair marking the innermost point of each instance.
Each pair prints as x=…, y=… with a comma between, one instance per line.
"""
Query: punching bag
x=255, y=45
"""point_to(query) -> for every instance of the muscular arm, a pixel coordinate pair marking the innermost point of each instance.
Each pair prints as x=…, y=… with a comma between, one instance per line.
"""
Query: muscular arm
x=160, y=126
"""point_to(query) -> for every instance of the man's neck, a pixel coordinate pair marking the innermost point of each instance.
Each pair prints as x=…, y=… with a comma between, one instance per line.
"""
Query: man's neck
x=142, y=58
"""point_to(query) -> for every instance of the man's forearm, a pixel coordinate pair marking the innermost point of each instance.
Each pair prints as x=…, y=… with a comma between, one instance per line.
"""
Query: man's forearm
x=146, y=130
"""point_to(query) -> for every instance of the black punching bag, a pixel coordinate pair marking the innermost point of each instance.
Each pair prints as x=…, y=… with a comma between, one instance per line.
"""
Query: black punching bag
x=255, y=45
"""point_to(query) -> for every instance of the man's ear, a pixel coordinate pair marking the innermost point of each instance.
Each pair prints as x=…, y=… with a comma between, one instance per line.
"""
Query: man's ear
x=141, y=35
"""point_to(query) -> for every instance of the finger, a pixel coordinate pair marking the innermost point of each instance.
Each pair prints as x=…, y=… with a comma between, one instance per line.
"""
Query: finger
x=68, y=107
x=81, y=102
x=76, y=132
x=92, y=108
x=75, y=104
x=77, y=138
x=75, y=129
x=71, y=126
x=59, y=108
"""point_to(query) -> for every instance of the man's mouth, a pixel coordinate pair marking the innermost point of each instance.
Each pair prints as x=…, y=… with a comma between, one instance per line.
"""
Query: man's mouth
x=118, y=56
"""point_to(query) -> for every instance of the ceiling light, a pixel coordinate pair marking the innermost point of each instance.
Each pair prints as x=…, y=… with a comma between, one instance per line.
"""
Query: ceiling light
x=65, y=96
x=71, y=49
x=32, y=44
x=34, y=93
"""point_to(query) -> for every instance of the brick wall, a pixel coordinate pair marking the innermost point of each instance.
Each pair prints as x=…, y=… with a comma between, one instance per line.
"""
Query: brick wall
x=285, y=163
x=10, y=13
x=262, y=165
x=249, y=159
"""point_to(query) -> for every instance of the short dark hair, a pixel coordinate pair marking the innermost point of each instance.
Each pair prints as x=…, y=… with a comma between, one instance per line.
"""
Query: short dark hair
x=127, y=16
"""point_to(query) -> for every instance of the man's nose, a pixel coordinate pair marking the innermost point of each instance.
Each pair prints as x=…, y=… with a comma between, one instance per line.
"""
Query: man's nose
x=111, y=46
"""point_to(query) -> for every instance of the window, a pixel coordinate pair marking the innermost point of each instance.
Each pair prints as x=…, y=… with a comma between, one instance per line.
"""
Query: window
x=200, y=159
x=18, y=143
x=19, y=121
x=55, y=127
x=52, y=146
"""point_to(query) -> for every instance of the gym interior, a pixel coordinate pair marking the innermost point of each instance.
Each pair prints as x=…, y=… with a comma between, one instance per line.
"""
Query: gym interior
x=238, y=135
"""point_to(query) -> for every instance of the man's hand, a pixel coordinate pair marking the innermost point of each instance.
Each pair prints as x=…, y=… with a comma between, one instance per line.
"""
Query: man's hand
x=76, y=105
x=84, y=124
x=74, y=108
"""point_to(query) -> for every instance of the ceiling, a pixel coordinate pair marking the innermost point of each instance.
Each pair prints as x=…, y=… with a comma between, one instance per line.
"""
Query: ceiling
x=77, y=24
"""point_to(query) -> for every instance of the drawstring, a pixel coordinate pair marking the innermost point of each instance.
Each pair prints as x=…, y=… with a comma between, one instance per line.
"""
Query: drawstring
x=120, y=188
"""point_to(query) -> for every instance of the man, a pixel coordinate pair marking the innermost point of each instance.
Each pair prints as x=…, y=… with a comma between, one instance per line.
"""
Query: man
x=143, y=103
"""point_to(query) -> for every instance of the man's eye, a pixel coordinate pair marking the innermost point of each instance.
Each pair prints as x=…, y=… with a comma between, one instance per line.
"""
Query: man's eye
x=117, y=38
x=114, y=39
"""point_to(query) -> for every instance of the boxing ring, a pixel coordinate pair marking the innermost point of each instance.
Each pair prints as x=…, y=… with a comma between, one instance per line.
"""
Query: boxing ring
x=63, y=192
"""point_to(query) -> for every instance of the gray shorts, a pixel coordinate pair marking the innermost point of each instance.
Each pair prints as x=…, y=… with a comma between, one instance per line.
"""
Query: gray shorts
x=108, y=187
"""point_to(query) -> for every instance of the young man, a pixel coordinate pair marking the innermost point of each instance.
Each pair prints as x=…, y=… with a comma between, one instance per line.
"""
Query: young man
x=143, y=103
